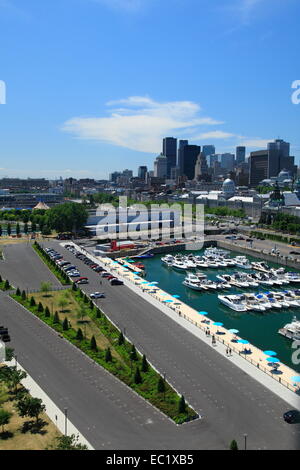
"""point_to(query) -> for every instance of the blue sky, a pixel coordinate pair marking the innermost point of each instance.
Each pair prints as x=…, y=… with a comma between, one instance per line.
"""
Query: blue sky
x=94, y=85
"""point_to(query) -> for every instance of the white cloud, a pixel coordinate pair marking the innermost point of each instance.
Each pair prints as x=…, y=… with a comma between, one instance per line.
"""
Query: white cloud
x=214, y=135
x=253, y=143
x=141, y=123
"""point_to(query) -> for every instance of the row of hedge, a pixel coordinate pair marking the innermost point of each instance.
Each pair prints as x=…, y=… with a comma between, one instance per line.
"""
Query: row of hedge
x=133, y=369
x=54, y=268
x=274, y=237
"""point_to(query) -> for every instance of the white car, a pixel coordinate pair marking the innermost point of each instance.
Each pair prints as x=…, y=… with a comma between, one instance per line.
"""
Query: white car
x=97, y=295
x=74, y=274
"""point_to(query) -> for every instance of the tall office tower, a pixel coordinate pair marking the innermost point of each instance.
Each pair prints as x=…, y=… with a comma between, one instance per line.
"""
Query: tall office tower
x=170, y=151
x=160, y=167
x=240, y=155
x=182, y=144
x=208, y=150
x=258, y=167
x=114, y=176
x=212, y=159
x=279, y=158
x=201, y=168
x=189, y=158
x=227, y=161
x=142, y=171
x=127, y=173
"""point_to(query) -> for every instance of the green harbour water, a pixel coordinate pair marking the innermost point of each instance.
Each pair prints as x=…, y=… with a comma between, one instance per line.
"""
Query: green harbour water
x=261, y=329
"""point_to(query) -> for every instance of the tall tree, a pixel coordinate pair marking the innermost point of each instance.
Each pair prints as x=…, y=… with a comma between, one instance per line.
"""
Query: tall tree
x=4, y=418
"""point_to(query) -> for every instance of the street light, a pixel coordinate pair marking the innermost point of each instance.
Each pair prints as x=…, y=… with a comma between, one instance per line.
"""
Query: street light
x=245, y=437
x=66, y=421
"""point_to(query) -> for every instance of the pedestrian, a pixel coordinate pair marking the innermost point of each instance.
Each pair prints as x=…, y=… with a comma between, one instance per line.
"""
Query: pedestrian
x=229, y=351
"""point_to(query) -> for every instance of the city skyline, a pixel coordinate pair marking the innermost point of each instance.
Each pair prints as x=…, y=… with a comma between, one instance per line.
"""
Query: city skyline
x=87, y=101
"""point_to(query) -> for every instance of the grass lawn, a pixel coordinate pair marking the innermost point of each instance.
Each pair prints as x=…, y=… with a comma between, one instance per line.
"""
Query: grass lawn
x=76, y=314
x=18, y=435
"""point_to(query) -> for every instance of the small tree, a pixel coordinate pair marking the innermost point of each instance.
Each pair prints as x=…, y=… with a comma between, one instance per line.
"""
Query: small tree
x=6, y=285
x=85, y=299
x=108, y=356
x=65, y=324
x=98, y=313
x=121, y=339
x=91, y=305
x=133, y=353
x=74, y=287
x=26, y=228
x=18, y=292
x=46, y=287
x=62, y=303
x=181, y=405
x=233, y=445
x=9, y=230
x=40, y=307
x=79, y=335
x=69, y=443
x=47, y=312
x=145, y=366
x=24, y=296
x=4, y=418
x=93, y=344
x=137, y=376
x=161, y=386
x=18, y=229
x=31, y=407
x=32, y=302
x=56, y=319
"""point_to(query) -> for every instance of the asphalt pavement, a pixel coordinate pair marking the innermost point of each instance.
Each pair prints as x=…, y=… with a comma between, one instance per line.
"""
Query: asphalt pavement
x=230, y=402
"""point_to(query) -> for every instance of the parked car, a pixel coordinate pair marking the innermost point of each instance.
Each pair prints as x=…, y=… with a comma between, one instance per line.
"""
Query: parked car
x=292, y=416
x=82, y=280
x=98, y=269
x=105, y=274
x=110, y=277
x=116, y=282
x=5, y=338
x=69, y=268
x=74, y=274
x=97, y=295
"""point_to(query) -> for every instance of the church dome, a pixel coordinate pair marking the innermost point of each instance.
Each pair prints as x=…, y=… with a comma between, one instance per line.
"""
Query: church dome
x=228, y=186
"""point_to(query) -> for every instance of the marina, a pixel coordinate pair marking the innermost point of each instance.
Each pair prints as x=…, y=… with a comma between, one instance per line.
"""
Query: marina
x=271, y=293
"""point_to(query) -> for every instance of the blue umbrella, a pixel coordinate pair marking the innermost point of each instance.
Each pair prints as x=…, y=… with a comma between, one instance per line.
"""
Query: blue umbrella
x=168, y=300
x=272, y=359
x=203, y=313
x=243, y=341
x=295, y=378
x=218, y=323
x=270, y=353
x=233, y=330
x=176, y=296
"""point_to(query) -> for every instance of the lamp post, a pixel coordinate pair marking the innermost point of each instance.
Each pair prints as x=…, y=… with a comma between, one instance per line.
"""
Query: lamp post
x=66, y=421
x=245, y=437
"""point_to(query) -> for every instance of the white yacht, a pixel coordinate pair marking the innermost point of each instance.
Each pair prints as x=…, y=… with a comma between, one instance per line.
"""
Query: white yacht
x=167, y=260
x=280, y=298
x=238, y=280
x=180, y=265
x=263, y=301
x=269, y=297
x=254, y=304
x=291, y=330
x=261, y=266
x=290, y=299
x=292, y=277
x=235, y=302
x=242, y=262
x=193, y=282
x=263, y=279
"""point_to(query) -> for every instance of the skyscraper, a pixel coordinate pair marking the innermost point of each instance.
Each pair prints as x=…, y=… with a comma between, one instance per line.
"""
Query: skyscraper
x=160, y=167
x=142, y=171
x=208, y=150
x=201, y=168
x=189, y=157
x=227, y=161
x=170, y=151
x=240, y=155
x=182, y=144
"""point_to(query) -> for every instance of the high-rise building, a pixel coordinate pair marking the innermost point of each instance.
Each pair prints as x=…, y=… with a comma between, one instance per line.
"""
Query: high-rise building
x=208, y=150
x=240, y=155
x=189, y=157
x=227, y=161
x=201, y=168
x=212, y=159
x=170, y=151
x=265, y=164
x=142, y=172
x=160, y=167
x=180, y=156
